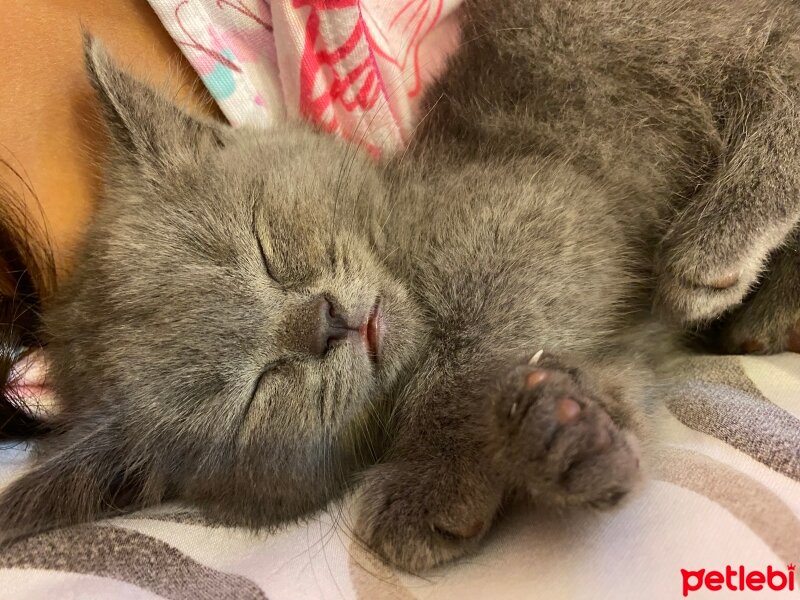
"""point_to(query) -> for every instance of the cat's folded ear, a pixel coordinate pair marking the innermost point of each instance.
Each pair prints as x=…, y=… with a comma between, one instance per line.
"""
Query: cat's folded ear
x=145, y=127
x=87, y=479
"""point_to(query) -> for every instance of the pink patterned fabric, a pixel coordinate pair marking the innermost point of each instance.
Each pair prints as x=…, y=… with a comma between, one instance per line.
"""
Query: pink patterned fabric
x=354, y=67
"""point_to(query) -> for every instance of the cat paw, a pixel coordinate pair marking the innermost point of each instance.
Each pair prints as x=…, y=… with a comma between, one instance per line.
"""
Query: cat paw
x=754, y=336
x=559, y=438
x=417, y=515
x=710, y=259
x=695, y=285
x=768, y=322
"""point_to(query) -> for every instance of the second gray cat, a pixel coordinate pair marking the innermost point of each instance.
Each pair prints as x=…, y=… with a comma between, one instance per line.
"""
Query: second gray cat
x=260, y=319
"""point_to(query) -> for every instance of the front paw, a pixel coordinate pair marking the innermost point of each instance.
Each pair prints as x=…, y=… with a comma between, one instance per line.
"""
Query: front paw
x=418, y=515
x=559, y=439
x=709, y=261
x=760, y=328
x=696, y=285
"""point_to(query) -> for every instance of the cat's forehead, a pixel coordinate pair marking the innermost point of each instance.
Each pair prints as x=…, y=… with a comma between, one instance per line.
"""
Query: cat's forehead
x=294, y=160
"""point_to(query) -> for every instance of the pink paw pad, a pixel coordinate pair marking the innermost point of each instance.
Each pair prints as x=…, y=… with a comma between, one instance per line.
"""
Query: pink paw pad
x=793, y=344
x=725, y=282
x=751, y=346
x=535, y=378
x=567, y=411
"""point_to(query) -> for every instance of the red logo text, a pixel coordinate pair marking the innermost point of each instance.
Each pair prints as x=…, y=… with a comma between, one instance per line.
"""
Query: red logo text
x=738, y=579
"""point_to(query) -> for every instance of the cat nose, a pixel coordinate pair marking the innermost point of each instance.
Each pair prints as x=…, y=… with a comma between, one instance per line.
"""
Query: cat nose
x=328, y=326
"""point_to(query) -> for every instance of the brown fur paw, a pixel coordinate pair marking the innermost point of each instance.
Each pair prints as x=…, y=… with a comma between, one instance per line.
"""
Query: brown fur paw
x=710, y=258
x=559, y=440
x=793, y=339
x=418, y=515
x=690, y=289
x=746, y=334
x=769, y=319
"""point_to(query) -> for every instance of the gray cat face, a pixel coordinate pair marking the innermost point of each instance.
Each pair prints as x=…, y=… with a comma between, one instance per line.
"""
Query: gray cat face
x=229, y=336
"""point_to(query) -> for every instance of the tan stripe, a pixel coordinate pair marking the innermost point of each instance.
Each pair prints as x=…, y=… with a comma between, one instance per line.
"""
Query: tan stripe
x=373, y=578
x=752, y=503
x=717, y=398
x=130, y=557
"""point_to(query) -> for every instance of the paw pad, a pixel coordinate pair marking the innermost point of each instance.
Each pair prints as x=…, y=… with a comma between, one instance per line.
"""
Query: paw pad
x=725, y=282
x=567, y=411
x=751, y=346
x=536, y=377
x=793, y=344
x=467, y=532
x=558, y=440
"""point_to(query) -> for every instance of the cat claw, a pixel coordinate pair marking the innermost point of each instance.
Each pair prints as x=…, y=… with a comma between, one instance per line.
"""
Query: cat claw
x=535, y=358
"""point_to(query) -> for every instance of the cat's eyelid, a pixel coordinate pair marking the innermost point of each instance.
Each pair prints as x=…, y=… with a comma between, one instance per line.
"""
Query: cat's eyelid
x=267, y=370
x=264, y=258
x=333, y=256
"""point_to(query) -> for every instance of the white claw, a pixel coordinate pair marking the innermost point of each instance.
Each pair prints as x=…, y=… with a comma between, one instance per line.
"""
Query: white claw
x=513, y=410
x=535, y=358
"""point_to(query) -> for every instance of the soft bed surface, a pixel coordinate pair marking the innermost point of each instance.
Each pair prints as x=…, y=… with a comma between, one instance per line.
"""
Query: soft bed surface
x=724, y=490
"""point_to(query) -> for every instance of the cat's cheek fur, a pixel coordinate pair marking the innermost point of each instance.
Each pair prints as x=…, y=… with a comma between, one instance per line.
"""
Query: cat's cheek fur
x=404, y=334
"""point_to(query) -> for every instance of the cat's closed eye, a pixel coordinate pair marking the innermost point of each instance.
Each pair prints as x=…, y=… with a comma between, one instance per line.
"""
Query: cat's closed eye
x=266, y=372
x=264, y=257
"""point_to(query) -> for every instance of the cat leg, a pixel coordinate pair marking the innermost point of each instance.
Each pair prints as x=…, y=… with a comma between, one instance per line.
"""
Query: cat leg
x=422, y=511
x=547, y=429
x=769, y=320
x=715, y=250
x=435, y=495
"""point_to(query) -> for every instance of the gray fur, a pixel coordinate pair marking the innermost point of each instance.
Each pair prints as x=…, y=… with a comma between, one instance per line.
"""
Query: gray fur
x=768, y=321
x=582, y=161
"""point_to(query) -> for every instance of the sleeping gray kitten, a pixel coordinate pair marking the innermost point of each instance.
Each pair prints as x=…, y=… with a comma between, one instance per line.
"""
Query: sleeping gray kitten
x=260, y=319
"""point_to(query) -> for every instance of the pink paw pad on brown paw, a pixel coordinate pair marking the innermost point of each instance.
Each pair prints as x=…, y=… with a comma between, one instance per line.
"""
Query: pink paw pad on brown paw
x=725, y=282
x=751, y=346
x=567, y=409
x=462, y=531
x=793, y=343
x=535, y=378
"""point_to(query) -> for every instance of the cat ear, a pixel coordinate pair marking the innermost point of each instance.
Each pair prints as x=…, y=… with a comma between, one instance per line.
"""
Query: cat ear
x=87, y=479
x=145, y=126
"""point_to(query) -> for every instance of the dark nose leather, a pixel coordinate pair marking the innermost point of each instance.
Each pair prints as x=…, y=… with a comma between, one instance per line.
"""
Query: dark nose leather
x=326, y=327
